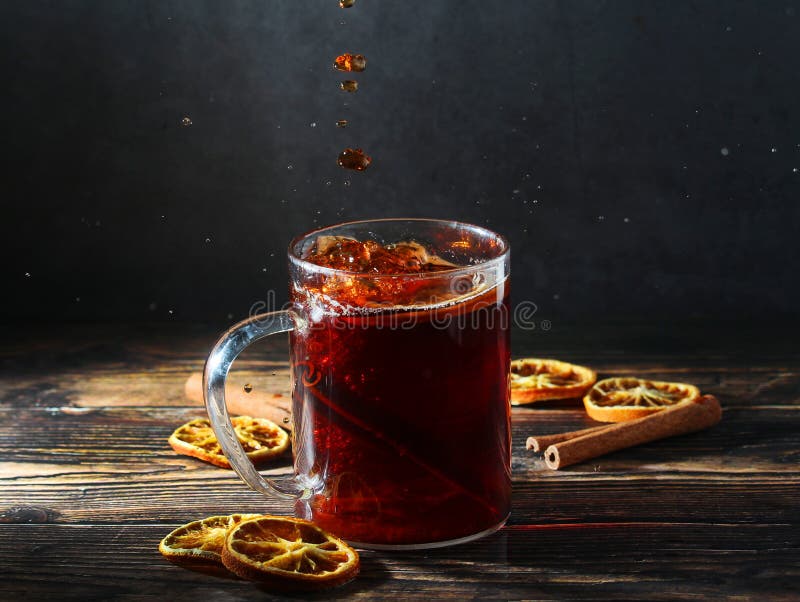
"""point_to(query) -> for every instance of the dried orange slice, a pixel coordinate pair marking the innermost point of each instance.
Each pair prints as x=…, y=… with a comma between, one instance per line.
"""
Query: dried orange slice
x=200, y=542
x=534, y=379
x=262, y=439
x=288, y=554
x=627, y=398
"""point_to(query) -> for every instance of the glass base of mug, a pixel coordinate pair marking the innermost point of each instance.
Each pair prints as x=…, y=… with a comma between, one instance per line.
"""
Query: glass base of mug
x=430, y=545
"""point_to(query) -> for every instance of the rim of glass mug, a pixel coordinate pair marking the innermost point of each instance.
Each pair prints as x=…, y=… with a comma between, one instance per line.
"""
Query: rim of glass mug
x=498, y=243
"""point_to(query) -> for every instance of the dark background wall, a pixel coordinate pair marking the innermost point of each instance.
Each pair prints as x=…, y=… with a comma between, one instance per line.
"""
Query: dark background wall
x=642, y=157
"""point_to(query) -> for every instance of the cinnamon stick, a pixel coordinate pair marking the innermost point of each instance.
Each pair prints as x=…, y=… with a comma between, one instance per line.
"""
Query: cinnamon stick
x=542, y=442
x=685, y=417
x=272, y=406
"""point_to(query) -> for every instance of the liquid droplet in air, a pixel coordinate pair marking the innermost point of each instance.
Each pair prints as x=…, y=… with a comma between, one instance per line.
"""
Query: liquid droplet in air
x=346, y=3
x=248, y=388
x=350, y=62
x=342, y=123
x=349, y=85
x=186, y=121
x=354, y=158
x=286, y=420
x=724, y=151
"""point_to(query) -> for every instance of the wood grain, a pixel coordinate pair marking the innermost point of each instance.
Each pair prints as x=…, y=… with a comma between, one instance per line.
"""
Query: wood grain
x=89, y=485
x=652, y=561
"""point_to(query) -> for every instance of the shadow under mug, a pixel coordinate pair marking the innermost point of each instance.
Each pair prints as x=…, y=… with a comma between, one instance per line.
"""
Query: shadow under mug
x=400, y=389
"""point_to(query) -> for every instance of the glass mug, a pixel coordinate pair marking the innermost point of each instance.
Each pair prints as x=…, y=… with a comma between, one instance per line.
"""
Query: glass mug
x=400, y=387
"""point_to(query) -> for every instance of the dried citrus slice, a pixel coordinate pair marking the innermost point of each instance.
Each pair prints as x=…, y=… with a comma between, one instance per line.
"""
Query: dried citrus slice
x=200, y=542
x=288, y=554
x=627, y=398
x=262, y=439
x=534, y=379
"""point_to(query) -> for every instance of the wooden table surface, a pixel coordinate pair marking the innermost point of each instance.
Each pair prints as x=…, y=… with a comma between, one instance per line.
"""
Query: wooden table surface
x=89, y=485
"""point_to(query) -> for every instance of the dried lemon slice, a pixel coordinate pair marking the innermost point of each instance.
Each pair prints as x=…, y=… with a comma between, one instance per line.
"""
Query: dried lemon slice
x=534, y=379
x=200, y=542
x=288, y=554
x=627, y=398
x=262, y=439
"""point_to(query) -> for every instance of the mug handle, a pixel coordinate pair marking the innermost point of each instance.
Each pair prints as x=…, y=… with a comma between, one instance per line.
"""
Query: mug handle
x=219, y=361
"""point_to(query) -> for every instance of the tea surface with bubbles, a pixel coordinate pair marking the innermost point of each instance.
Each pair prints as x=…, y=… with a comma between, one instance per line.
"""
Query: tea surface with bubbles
x=369, y=264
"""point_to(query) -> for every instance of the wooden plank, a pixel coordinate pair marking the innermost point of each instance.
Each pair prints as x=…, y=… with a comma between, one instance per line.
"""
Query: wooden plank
x=163, y=384
x=137, y=496
x=115, y=462
x=588, y=561
x=745, y=441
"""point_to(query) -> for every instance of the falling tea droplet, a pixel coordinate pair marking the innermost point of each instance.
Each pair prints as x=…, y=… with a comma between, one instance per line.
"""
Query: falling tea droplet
x=349, y=85
x=342, y=123
x=350, y=62
x=248, y=387
x=286, y=420
x=186, y=121
x=346, y=3
x=356, y=159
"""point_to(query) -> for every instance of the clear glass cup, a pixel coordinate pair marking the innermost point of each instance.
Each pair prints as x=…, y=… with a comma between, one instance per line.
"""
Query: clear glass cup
x=400, y=388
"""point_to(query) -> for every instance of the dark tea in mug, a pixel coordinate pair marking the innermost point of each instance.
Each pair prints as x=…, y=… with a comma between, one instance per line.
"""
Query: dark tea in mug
x=401, y=390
